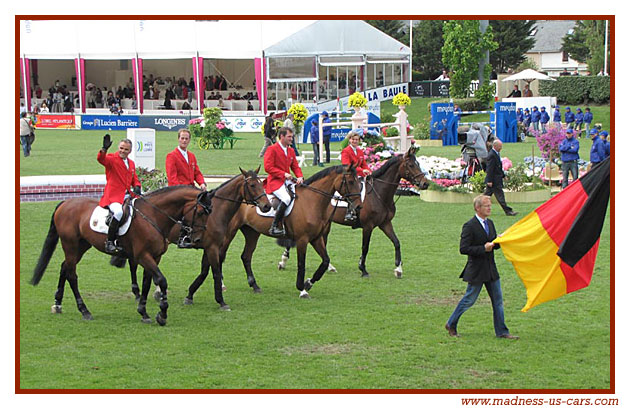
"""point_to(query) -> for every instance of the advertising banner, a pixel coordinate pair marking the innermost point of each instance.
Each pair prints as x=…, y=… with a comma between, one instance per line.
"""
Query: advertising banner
x=429, y=89
x=164, y=123
x=55, y=121
x=143, y=151
x=244, y=123
x=109, y=122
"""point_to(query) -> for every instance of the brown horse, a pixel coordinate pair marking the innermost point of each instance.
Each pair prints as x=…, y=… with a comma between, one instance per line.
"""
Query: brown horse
x=144, y=243
x=378, y=208
x=308, y=220
x=244, y=189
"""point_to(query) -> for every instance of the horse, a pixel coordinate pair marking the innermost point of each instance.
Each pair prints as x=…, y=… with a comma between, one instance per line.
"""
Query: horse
x=245, y=188
x=305, y=224
x=145, y=242
x=378, y=208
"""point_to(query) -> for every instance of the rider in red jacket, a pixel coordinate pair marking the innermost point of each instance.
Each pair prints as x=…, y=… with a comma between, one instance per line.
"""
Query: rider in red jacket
x=120, y=173
x=352, y=154
x=279, y=162
x=181, y=164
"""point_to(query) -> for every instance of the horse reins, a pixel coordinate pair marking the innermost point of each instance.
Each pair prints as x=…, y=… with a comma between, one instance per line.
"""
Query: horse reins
x=253, y=201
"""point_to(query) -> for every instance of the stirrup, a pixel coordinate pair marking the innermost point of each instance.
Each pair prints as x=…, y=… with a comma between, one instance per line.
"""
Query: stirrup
x=350, y=216
x=184, y=242
x=112, y=248
x=276, y=231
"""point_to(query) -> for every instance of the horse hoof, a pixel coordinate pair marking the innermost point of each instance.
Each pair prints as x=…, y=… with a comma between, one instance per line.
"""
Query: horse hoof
x=281, y=266
x=307, y=284
x=225, y=308
x=157, y=295
x=257, y=290
x=188, y=301
x=332, y=268
x=365, y=275
x=223, y=288
x=398, y=274
x=88, y=317
x=55, y=309
x=160, y=320
x=147, y=320
x=304, y=294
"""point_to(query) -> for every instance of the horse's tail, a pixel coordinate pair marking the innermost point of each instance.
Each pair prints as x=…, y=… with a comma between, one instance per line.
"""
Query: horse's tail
x=47, y=251
x=286, y=242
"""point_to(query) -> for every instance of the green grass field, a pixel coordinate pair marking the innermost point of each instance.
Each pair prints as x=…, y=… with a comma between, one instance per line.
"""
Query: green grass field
x=355, y=333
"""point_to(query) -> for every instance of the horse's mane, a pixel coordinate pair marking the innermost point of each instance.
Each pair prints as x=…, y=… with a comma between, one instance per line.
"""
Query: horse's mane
x=216, y=189
x=323, y=173
x=165, y=190
x=394, y=160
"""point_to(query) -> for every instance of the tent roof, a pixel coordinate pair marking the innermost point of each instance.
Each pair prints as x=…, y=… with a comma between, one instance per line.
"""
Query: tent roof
x=221, y=39
x=338, y=37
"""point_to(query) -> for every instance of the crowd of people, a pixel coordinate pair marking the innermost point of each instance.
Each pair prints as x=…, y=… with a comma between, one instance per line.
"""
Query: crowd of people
x=569, y=152
x=538, y=120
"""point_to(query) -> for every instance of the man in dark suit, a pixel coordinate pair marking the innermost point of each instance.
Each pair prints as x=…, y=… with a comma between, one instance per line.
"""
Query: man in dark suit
x=480, y=270
x=495, y=175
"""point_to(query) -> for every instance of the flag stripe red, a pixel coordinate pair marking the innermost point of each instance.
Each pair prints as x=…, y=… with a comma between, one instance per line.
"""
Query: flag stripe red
x=580, y=276
x=557, y=214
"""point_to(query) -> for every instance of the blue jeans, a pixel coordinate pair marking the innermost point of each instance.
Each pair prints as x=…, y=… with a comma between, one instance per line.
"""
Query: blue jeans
x=571, y=166
x=26, y=144
x=467, y=301
x=315, y=154
x=536, y=125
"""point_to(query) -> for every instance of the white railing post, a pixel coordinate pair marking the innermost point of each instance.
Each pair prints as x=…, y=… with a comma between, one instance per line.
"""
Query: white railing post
x=402, y=120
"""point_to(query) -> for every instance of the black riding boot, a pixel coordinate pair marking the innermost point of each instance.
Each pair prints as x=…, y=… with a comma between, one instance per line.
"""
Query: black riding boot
x=277, y=229
x=112, y=234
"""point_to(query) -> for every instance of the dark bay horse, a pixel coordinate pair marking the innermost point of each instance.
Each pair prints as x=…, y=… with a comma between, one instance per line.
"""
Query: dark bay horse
x=144, y=243
x=307, y=222
x=244, y=189
x=378, y=208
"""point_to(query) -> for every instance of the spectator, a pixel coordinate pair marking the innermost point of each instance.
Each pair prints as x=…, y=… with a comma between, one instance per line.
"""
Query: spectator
x=588, y=118
x=569, y=156
x=606, y=138
x=564, y=73
x=516, y=93
x=443, y=76
x=44, y=108
x=579, y=120
x=495, y=175
x=27, y=135
x=288, y=123
x=38, y=91
x=527, y=92
x=98, y=98
x=536, y=118
x=186, y=106
x=544, y=119
x=184, y=92
x=314, y=133
x=191, y=84
x=575, y=73
x=326, y=134
x=598, y=150
x=250, y=107
x=519, y=115
x=527, y=119
x=269, y=133
x=557, y=117
x=569, y=118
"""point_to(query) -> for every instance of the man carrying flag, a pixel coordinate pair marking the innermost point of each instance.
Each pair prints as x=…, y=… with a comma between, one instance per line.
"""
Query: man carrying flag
x=553, y=249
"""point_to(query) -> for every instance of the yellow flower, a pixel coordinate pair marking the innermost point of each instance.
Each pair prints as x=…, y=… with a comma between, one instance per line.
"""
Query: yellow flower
x=401, y=99
x=299, y=112
x=357, y=100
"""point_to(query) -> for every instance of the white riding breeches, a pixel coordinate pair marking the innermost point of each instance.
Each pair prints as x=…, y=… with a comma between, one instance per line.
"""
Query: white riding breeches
x=117, y=209
x=283, y=195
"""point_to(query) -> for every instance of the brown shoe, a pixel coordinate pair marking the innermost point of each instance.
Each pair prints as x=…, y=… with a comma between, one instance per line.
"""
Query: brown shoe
x=508, y=336
x=451, y=331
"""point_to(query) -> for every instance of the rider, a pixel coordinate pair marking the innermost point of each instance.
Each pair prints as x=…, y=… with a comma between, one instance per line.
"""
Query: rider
x=182, y=169
x=279, y=162
x=352, y=154
x=120, y=172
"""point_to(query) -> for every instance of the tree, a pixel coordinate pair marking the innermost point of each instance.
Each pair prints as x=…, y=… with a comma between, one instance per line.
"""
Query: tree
x=393, y=28
x=586, y=43
x=427, y=47
x=464, y=45
x=513, y=37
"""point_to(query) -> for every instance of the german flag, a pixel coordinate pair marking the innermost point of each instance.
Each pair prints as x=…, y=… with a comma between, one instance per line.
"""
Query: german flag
x=553, y=249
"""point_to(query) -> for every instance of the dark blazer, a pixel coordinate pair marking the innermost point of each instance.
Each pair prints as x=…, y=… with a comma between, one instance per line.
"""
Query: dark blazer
x=494, y=169
x=480, y=267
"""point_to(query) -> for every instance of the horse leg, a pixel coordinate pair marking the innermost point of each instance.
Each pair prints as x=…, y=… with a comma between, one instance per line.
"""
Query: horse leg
x=205, y=268
x=142, y=303
x=331, y=268
x=282, y=264
x=133, y=270
x=388, y=229
x=213, y=259
x=152, y=265
x=251, y=240
x=299, y=283
x=320, y=247
x=73, y=253
x=56, y=308
x=367, y=235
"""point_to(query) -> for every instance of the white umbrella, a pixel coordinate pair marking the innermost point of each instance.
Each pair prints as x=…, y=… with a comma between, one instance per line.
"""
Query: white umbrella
x=528, y=75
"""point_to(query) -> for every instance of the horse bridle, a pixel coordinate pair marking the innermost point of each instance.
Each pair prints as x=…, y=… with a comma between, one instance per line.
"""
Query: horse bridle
x=245, y=200
x=413, y=180
x=343, y=197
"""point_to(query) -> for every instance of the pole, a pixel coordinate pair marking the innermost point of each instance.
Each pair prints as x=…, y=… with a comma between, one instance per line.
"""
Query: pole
x=606, y=49
x=485, y=58
x=410, y=50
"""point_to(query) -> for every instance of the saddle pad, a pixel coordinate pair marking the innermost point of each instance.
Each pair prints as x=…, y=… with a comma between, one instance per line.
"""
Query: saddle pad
x=272, y=212
x=336, y=200
x=97, y=220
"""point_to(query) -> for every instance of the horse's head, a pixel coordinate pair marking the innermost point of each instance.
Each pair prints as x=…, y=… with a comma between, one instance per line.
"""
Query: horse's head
x=253, y=190
x=410, y=170
x=348, y=185
x=200, y=212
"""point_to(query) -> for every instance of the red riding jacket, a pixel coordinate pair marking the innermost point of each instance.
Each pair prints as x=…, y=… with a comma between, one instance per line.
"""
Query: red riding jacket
x=180, y=172
x=119, y=178
x=277, y=164
x=348, y=157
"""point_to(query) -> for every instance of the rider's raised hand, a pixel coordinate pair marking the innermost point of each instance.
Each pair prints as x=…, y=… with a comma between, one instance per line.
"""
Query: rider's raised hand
x=107, y=142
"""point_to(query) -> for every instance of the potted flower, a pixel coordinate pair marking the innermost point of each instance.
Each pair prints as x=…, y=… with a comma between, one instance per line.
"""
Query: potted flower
x=299, y=116
x=357, y=101
x=401, y=100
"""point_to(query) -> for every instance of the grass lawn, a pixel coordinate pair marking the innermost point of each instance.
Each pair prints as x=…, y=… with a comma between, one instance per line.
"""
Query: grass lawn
x=379, y=332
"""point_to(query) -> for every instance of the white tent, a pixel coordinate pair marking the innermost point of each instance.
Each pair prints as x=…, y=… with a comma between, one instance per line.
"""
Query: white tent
x=528, y=75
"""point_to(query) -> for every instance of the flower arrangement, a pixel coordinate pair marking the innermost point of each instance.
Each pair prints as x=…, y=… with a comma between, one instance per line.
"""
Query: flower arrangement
x=151, y=179
x=299, y=113
x=549, y=141
x=357, y=100
x=506, y=164
x=401, y=99
x=213, y=128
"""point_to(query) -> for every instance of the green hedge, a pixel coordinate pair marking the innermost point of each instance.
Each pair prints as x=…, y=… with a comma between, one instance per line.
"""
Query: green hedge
x=577, y=90
x=466, y=104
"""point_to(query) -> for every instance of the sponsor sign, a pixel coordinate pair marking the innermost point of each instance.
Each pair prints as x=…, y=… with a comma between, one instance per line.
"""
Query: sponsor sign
x=244, y=123
x=113, y=122
x=143, y=151
x=164, y=123
x=429, y=89
x=55, y=121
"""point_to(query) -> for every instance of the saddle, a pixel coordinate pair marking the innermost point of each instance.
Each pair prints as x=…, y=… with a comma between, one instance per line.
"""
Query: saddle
x=101, y=218
x=275, y=202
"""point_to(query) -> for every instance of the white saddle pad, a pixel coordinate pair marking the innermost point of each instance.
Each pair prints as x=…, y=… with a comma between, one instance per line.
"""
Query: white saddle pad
x=97, y=220
x=336, y=200
x=272, y=212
